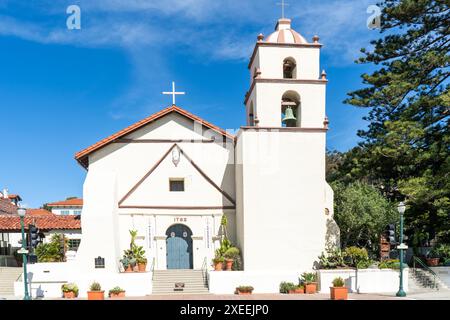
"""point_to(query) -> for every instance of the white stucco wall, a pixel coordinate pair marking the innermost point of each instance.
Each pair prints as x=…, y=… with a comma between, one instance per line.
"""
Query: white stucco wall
x=281, y=206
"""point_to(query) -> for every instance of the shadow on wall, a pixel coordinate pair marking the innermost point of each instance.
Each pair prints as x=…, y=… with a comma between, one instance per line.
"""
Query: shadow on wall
x=332, y=235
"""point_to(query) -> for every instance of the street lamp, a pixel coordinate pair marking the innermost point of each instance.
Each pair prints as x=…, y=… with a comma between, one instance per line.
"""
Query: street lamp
x=24, y=252
x=401, y=209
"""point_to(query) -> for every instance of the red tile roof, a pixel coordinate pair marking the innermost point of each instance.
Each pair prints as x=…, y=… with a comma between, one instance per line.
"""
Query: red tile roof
x=11, y=223
x=81, y=156
x=39, y=212
x=6, y=207
x=77, y=202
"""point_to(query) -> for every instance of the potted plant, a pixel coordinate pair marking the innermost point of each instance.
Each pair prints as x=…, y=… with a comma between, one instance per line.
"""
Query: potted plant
x=300, y=289
x=287, y=287
x=95, y=292
x=218, y=263
x=70, y=290
x=432, y=257
x=244, y=290
x=142, y=264
x=126, y=264
x=230, y=255
x=309, y=279
x=338, y=291
x=116, y=292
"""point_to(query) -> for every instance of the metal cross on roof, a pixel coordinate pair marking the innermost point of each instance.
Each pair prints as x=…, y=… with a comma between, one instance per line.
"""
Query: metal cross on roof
x=283, y=4
x=173, y=93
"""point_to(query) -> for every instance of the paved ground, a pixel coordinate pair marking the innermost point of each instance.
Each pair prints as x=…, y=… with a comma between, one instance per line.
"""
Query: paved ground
x=436, y=295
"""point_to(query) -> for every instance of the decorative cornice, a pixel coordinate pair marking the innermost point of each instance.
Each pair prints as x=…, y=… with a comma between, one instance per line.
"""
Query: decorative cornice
x=180, y=207
x=282, y=129
x=283, y=81
x=282, y=45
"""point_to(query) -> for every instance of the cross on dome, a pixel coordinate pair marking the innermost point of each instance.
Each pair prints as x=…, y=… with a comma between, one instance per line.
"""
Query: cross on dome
x=173, y=93
x=283, y=4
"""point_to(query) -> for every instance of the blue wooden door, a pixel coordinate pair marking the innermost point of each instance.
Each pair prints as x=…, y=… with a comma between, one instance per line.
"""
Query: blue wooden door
x=179, y=247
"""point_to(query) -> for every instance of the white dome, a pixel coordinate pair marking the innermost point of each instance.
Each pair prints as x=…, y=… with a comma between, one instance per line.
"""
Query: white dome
x=284, y=34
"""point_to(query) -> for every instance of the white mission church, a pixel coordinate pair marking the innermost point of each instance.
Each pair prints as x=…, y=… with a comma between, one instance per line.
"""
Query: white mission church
x=172, y=176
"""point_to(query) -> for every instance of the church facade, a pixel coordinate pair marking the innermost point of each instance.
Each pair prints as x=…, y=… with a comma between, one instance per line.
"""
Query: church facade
x=173, y=176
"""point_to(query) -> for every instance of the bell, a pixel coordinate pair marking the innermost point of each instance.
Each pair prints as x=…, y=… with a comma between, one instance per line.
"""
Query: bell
x=289, y=115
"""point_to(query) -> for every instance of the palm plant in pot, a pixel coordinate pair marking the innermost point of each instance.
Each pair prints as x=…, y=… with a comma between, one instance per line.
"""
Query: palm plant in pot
x=70, y=290
x=309, y=280
x=95, y=292
x=338, y=291
x=126, y=264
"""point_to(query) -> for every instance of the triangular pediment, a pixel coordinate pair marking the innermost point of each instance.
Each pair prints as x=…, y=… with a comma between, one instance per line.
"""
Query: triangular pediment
x=152, y=191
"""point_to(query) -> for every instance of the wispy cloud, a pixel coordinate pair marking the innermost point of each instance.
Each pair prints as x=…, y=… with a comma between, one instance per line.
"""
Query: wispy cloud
x=217, y=30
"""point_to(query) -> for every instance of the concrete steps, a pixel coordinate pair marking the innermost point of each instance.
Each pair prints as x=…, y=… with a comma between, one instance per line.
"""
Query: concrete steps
x=423, y=281
x=7, y=278
x=164, y=281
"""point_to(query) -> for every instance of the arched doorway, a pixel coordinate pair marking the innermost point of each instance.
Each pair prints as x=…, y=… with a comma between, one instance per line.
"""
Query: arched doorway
x=179, y=247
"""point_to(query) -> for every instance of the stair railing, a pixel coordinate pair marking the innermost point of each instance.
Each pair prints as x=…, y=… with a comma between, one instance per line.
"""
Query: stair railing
x=426, y=268
x=205, y=271
x=152, y=268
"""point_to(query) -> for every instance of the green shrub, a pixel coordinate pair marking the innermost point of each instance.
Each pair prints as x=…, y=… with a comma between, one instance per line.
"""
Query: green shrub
x=332, y=259
x=357, y=257
x=441, y=251
x=231, y=253
x=285, y=287
x=389, y=264
x=338, y=282
x=95, y=286
x=50, y=251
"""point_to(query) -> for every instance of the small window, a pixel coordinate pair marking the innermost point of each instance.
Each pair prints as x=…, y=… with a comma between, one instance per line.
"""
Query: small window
x=176, y=185
x=74, y=244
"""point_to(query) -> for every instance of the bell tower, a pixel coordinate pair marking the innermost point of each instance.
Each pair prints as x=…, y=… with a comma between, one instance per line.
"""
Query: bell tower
x=286, y=86
x=284, y=206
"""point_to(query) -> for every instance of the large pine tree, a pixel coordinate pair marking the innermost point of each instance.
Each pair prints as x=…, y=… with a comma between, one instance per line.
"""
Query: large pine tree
x=406, y=147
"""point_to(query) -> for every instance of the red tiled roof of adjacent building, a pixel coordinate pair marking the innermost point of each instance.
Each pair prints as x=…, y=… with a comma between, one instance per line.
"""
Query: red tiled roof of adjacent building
x=11, y=223
x=39, y=212
x=81, y=156
x=77, y=202
x=6, y=207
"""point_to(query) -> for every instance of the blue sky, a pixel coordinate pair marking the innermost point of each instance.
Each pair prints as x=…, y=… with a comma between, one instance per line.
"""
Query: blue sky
x=62, y=90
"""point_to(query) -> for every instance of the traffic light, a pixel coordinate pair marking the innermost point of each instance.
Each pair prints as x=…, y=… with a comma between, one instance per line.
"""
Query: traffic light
x=62, y=246
x=34, y=236
x=390, y=233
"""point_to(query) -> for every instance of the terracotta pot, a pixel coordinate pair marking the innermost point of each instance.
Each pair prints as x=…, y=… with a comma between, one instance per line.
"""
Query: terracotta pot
x=433, y=262
x=129, y=269
x=142, y=267
x=96, y=295
x=218, y=266
x=229, y=264
x=300, y=290
x=311, y=287
x=117, y=295
x=338, y=293
x=69, y=295
x=244, y=293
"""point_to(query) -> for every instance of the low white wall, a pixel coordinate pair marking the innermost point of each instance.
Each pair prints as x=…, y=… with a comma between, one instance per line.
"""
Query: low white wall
x=46, y=280
x=365, y=281
x=225, y=282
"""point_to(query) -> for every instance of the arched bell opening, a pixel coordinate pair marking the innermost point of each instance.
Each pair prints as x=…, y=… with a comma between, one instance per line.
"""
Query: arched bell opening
x=289, y=68
x=290, y=109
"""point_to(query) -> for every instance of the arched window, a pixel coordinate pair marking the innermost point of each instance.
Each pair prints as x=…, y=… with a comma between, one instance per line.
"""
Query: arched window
x=289, y=68
x=290, y=109
x=251, y=115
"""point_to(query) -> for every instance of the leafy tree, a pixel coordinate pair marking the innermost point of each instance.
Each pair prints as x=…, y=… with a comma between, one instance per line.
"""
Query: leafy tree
x=406, y=147
x=49, y=252
x=362, y=213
